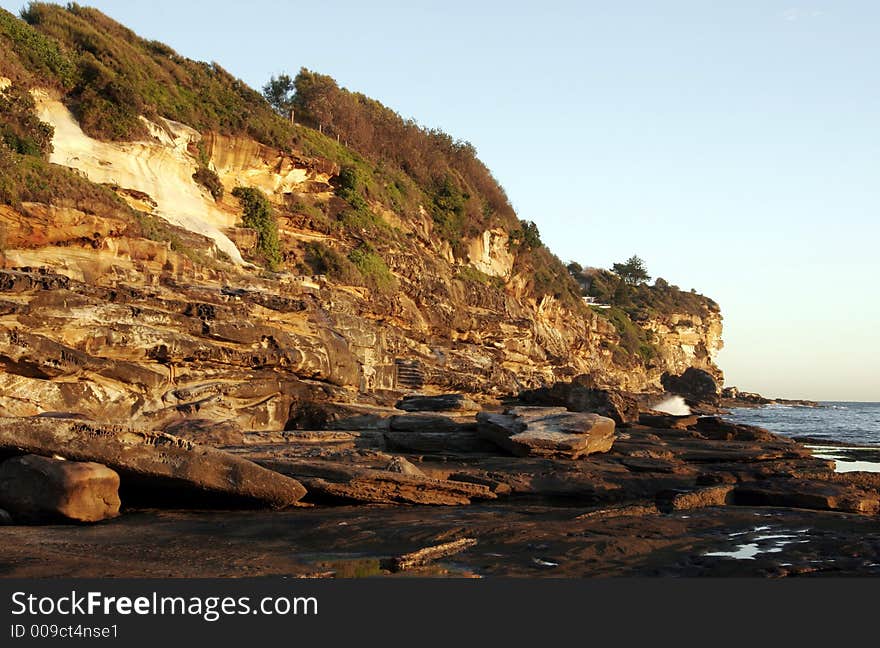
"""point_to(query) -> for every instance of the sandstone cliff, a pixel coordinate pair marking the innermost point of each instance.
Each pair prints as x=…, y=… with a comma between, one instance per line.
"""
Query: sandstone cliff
x=104, y=317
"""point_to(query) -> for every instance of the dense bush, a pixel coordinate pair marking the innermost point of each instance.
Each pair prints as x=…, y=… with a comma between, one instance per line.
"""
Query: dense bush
x=29, y=57
x=323, y=260
x=112, y=76
x=353, y=185
x=210, y=181
x=258, y=215
x=373, y=268
x=429, y=156
x=642, y=301
x=526, y=236
x=547, y=276
x=20, y=130
x=635, y=340
x=449, y=210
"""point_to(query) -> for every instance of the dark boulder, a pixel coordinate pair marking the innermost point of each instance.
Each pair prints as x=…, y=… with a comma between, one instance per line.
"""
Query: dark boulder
x=664, y=421
x=696, y=386
x=441, y=403
x=713, y=427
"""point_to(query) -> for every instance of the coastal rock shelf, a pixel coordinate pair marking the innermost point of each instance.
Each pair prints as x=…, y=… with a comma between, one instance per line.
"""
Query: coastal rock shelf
x=676, y=500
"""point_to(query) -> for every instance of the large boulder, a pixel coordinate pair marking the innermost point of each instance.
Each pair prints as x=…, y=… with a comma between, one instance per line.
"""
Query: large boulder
x=581, y=395
x=403, y=466
x=441, y=403
x=152, y=460
x=35, y=488
x=548, y=432
x=696, y=386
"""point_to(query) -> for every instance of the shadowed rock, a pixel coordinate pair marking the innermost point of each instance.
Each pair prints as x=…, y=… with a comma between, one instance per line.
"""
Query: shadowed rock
x=667, y=421
x=153, y=458
x=692, y=499
x=712, y=427
x=340, y=483
x=441, y=403
x=696, y=386
x=40, y=489
x=581, y=395
x=800, y=493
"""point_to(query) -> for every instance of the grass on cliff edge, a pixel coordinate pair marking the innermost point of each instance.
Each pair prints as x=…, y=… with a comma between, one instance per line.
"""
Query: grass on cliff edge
x=110, y=76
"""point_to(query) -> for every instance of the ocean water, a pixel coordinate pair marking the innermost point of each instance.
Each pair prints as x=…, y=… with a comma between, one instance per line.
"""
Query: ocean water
x=857, y=423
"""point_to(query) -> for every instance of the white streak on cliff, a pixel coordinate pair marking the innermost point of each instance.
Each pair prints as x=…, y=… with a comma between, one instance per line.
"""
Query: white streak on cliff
x=161, y=168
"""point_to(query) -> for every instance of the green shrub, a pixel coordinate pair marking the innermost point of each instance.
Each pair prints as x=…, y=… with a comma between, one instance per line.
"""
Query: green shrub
x=352, y=187
x=20, y=130
x=373, y=268
x=27, y=178
x=323, y=260
x=39, y=58
x=314, y=211
x=472, y=275
x=642, y=301
x=448, y=210
x=634, y=340
x=526, y=236
x=257, y=214
x=210, y=181
x=112, y=76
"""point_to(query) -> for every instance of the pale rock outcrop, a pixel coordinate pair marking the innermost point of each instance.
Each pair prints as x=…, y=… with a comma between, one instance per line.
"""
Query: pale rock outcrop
x=160, y=167
x=489, y=253
x=548, y=432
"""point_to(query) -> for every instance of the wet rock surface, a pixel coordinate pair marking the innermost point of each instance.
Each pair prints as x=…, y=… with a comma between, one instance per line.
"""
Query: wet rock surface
x=527, y=540
x=711, y=498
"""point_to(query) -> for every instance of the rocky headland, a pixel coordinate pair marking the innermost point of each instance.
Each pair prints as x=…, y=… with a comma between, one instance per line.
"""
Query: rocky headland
x=332, y=357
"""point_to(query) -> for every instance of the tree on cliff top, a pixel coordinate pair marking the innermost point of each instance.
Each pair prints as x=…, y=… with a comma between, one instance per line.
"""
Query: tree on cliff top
x=632, y=271
x=279, y=93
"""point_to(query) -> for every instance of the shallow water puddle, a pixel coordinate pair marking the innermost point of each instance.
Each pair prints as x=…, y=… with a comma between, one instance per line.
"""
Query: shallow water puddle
x=759, y=544
x=843, y=458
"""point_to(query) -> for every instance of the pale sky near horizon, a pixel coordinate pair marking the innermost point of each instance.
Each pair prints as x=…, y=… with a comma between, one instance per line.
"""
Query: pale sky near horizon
x=734, y=146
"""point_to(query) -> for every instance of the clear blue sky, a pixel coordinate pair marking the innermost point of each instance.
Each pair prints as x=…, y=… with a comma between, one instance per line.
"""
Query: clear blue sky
x=733, y=145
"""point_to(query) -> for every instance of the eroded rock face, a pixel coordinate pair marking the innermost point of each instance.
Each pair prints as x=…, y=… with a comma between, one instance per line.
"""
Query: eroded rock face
x=548, y=432
x=152, y=458
x=43, y=489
